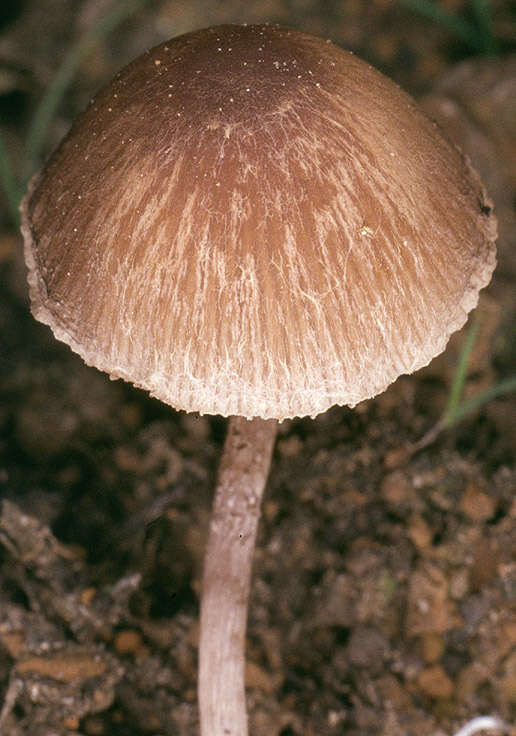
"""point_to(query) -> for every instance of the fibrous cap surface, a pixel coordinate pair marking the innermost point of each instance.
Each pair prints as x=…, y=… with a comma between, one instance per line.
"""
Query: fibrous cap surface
x=249, y=220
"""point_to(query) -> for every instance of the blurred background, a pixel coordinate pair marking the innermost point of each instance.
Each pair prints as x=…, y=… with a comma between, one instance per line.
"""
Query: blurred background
x=384, y=593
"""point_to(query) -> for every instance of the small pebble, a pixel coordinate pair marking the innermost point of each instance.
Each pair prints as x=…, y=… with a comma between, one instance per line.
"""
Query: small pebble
x=435, y=683
x=477, y=505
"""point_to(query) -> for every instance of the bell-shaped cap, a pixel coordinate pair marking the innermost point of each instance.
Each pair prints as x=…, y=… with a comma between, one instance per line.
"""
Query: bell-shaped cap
x=249, y=220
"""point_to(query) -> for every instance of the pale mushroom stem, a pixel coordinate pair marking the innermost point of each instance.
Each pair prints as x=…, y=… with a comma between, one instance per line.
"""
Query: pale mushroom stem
x=241, y=481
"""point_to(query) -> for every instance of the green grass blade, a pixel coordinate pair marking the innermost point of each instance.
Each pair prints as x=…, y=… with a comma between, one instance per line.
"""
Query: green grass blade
x=46, y=111
x=460, y=27
x=483, y=19
x=9, y=184
x=459, y=379
x=504, y=387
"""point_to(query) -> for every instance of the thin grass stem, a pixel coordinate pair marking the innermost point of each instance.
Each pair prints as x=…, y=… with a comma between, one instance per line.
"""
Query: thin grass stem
x=460, y=376
x=460, y=27
x=471, y=405
x=47, y=108
x=483, y=19
x=9, y=183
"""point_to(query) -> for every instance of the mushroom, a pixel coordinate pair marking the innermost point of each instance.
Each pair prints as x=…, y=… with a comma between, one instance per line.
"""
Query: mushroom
x=250, y=221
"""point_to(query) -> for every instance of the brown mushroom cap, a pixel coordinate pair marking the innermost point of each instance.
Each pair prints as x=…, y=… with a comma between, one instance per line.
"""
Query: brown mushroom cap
x=249, y=220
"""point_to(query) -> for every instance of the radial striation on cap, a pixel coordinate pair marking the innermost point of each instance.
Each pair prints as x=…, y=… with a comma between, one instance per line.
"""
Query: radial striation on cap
x=249, y=220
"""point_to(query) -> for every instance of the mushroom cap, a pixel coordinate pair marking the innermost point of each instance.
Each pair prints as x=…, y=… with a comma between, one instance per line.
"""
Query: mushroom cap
x=249, y=220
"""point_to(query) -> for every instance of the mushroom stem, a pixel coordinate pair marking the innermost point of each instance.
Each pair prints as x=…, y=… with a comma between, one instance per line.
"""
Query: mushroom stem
x=241, y=481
